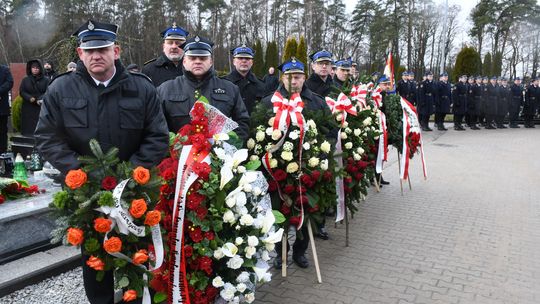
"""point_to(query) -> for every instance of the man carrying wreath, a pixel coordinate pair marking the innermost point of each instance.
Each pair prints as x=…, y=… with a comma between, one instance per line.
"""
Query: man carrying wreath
x=102, y=101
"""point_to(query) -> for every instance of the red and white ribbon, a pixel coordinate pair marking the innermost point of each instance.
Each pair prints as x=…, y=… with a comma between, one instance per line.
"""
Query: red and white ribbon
x=342, y=105
x=410, y=123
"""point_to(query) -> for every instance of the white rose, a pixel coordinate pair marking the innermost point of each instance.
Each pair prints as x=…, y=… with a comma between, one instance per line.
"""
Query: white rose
x=265, y=255
x=247, y=188
x=348, y=130
x=243, y=277
x=367, y=121
x=271, y=121
x=253, y=241
x=218, y=254
x=360, y=151
x=217, y=282
x=348, y=145
x=228, y=217
x=259, y=136
x=306, y=146
x=249, y=298
x=357, y=157
x=325, y=147
x=230, y=202
x=357, y=132
x=246, y=220
x=276, y=134
x=253, y=157
x=343, y=135
x=241, y=287
x=293, y=135
x=269, y=131
x=238, y=241
x=345, y=124
x=313, y=162
x=250, y=143
x=273, y=163
x=287, y=156
x=241, y=169
x=228, y=291
x=324, y=164
x=257, y=191
x=235, y=262
x=292, y=167
x=250, y=251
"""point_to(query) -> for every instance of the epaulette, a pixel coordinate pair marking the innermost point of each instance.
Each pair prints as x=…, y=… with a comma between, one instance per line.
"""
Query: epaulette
x=141, y=75
x=151, y=60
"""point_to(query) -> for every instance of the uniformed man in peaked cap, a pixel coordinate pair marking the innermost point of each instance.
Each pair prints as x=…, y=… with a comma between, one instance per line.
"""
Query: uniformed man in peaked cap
x=179, y=95
x=343, y=68
x=515, y=103
x=169, y=64
x=459, y=100
x=320, y=80
x=252, y=89
x=427, y=91
x=102, y=101
x=443, y=101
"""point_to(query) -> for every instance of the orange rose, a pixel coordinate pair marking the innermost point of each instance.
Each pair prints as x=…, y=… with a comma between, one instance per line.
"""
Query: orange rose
x=129, y=295
x=75, y=179
x=138, y=208
x=75, y=236
x=141, y=175
x=140, y=257
x=95, y=263
x=113, y=245
x=152, y=218
x=102, y=224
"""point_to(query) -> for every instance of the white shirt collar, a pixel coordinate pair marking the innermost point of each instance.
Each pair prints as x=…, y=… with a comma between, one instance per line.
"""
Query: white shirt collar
x=105, y=83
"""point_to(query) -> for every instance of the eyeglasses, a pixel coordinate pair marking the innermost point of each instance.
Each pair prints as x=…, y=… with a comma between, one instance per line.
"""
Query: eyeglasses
x=323, y=63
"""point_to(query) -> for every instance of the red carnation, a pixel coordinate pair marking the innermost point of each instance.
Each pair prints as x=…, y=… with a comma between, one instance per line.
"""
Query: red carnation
x=209, y=235
x=288, y=189
x=194, y=200
x=294, y=221
x=347, y=180
x=302, y=190
x=315, y=175
x=198, y=109
x=201, y=212
x=158, y=282
x=196, y=234
x=167, y=164
x=328, y=176
x=198, y=141
x=362, y=164
x=314, y=209
x=205, y=264
x=188, y=250
x=347, y=189
x=211, y=293
x=272, y=186
x=285, y=209
x=358, y=176
x=280, y=175
x=306, y=180
x=109, y=183
x=186, y=131
x=302, y=200
x=32, y=189
x=202, y=170
x=2, y=199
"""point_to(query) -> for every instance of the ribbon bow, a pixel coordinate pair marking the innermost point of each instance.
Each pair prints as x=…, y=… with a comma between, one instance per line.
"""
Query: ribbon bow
x=360, y=95
x=287, y=110
x=342, y=105
x=377, y=97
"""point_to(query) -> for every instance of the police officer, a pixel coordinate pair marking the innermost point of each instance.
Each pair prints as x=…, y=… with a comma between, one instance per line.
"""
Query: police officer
x=531, y=96
x=505, y=96
x=426, y=93
x=320, y=80
x=470, y=105
x=252, y=89
x=100, y=100
x=483, y=108
x=478, y=100
x=459, y=99
x=403, y=86
x=443, y=101
x=293, y=81
x=491, y=101
x=179, y=95
x=354, y=77
x=412, y=88
x=515, y=103
x=169, y=64
x=341, y=79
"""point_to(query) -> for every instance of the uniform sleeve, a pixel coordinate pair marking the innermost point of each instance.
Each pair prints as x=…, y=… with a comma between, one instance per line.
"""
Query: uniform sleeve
x=240, y=115
x=8, y=82
x=156, y=135
x=51, y=139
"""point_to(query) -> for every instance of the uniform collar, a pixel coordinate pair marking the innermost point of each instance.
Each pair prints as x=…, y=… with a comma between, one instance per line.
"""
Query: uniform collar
x=163, y=60
x=235, y=76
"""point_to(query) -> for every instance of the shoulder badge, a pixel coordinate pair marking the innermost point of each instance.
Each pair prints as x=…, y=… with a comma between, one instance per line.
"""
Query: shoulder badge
x=151, y=60
x=219, y=91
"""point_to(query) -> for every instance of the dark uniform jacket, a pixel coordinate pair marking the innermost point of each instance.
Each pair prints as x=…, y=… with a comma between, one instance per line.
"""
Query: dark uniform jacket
x=178, y=96
x=252, y=89
x=470, y=99
x=412, y=91
x=443, y=98
x=338, y=83
x=478, y=100
x=31, y=86
x=162, y=69
x=126, y=114
x=517, y=98
x=426, y=95
x=491, y=99
x=459, y=98
x=503, y=102
x=6, y=84
x=318, y=86
x=531, y=98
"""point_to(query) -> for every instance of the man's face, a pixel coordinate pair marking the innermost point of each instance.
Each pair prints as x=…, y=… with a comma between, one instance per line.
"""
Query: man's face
x=471, y=80
x=243, y=65
x=332, y=72
x=478, y=81
x=385, y=86
x=517, y=82
x=47, y=66
x=99, y=62
x=535, y=82
x=198, y=65
x=484, y=81
x=353, y=70
x=405, y=77
x=342, y=74
x=322, y=68
x=430, y=77
x=504, y=83
x=493, y=82
x=171, y=49
x=294, y=81
x=411, y=77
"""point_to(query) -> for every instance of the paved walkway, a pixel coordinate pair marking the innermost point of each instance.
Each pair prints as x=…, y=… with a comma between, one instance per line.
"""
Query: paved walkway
x=469, y=234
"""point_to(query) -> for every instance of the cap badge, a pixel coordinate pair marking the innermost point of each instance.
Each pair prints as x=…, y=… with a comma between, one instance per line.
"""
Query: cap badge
x=91, y=26
x=197, y=39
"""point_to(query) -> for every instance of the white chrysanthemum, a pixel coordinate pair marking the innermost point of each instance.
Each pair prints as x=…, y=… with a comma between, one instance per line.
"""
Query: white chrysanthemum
x=311, y=124
x=254, y=158
x=247, y=188
x=241, y=287
x=243, y=277
x=265, y=255
x=228, y=217
x=271, y=121
x=228, y=291
x=294, y=135
x=306, y=146
x=273, y=163
x=246, y=220
x=359, y=150
x=367, y=121
x=250, y=251
x=348, y=130
x=357, y=156
x=218, y=254
x=238, y=241
x=241, y=169
x=357, y=132
x=249, y=298
x=288, y=146
x=343, y=135
x=269, y=131
x=345, y=124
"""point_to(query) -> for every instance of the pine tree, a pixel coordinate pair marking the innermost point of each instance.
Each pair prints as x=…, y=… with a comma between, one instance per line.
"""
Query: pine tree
x=468, y=62
x=301, y=51
x=290, y=49
x=258, y=61
x=271, y=58
x=487, y=67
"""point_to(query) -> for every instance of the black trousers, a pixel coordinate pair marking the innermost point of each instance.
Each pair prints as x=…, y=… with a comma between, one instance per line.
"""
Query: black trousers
x=424, y=120
x=300, y=244
x=513, y=115
x=500, y=119
x=439, y=118
x=458, y=119
x=468, y=119
x=3, y=133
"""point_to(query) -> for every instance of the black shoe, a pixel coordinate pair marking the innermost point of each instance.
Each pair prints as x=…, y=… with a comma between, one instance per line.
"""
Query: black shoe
x=475, y=128
x=383, y=182
x=301, y=261
x=490, y=127
x=503, y=127
x=323, y=234
x=428, y=129
x=459, y=128
x=277, y=262
x=515, y=126
x=528, y=126
x=441, y=128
